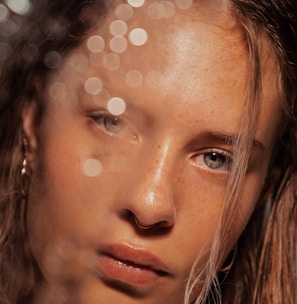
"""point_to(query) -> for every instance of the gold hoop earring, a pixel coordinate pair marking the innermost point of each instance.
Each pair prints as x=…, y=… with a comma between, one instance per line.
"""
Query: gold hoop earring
x=25, y=171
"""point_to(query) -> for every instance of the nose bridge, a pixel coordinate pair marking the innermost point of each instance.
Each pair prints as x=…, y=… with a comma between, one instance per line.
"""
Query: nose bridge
x=152, y=198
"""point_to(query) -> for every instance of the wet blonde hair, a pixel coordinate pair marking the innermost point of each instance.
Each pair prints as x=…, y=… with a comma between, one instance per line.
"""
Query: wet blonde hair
x=264, y=268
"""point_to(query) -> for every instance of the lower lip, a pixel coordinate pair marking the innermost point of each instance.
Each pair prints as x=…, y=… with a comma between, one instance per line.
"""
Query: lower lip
x=127, y=273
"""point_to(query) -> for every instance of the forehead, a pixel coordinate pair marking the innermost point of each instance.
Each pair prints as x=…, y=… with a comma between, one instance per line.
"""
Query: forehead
x=164, y=50
x=185, y=59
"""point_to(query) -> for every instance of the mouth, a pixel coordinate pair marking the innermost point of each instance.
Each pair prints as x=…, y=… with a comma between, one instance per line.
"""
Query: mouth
x=135, y=267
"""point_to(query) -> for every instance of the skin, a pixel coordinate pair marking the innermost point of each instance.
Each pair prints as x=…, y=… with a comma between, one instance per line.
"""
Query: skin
x=154, y=161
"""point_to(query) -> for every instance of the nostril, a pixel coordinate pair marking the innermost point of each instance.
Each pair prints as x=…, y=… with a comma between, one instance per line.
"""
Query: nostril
x=140, y=226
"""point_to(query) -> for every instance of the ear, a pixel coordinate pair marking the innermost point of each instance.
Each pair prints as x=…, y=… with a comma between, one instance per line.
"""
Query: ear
x=29, y=117
x=271, y=182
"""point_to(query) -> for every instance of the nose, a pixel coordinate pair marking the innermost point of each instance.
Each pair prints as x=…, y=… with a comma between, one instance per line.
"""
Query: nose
x=150, y=200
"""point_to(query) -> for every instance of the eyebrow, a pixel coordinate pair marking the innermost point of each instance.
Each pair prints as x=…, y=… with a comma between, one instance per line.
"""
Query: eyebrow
x=230, y=139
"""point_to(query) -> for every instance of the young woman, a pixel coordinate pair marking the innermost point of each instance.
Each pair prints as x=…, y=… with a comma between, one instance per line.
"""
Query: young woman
x=148, y=153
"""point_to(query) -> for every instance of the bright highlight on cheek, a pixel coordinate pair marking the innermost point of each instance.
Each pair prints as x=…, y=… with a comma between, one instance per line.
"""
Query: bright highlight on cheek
x=116, y=106
x=92, y=167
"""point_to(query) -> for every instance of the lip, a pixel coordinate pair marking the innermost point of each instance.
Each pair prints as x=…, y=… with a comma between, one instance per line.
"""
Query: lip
x=133, y=266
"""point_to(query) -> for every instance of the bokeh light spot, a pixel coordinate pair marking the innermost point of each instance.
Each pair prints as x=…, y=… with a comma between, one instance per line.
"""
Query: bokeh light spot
x=101, y=98
x=124, y=12
x=93, y=85
x=156, y=10
x=95, y=44
x=116, y=106
x=136, y=3
x=112, y=61
x=4, y=13
x=52, y=59
x=169, y=9
x=20, y=7
x=138, y=36
x=57, y=91
x=134, y=79
x=184, y=4
x=118, y=28
x=30, y=52
x=118, y=44
x=92, y=167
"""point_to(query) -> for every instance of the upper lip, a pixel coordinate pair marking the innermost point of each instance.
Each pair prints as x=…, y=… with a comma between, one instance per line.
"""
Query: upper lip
x=135, y=256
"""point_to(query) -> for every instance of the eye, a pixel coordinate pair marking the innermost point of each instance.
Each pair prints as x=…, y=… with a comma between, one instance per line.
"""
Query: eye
x=110, y=123
x=214, y=160
x=113, y=125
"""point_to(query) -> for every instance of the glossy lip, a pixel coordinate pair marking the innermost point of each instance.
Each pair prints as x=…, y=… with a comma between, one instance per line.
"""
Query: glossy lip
x=126, y=264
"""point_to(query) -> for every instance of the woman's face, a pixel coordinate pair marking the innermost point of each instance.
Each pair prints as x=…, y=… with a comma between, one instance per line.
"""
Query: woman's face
x=140, y=134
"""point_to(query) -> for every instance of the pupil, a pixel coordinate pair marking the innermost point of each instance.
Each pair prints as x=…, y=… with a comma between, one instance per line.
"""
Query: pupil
x=213, y=157
x=214, y=160
x=112, y=124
